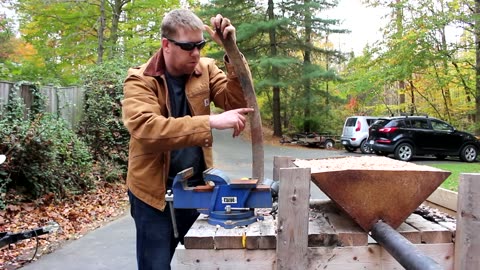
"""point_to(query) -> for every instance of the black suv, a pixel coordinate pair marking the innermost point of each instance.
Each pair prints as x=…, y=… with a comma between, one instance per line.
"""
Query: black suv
x=406, y=136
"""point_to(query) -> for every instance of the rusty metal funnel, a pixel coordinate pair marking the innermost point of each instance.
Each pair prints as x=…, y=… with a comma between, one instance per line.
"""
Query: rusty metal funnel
x=372, y=188
x=380, y=200
x=368, y=195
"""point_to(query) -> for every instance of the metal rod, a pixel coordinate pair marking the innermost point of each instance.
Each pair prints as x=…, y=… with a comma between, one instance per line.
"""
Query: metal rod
x=174, y=220
x=401, y=249
x=169, y=199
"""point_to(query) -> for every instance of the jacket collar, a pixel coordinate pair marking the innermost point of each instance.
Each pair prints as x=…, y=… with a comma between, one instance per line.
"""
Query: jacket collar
x=156, y=66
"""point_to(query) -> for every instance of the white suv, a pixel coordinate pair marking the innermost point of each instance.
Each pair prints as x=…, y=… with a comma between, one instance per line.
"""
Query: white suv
x=355, y=133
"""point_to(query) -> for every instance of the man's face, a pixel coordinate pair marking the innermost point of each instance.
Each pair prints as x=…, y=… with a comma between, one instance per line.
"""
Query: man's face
x=182, y=61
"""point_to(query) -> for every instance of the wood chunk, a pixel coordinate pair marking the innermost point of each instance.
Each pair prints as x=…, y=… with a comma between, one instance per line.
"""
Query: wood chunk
x=451, y=226
x=430, y=232
x=345, y=258
x=262, y=234
x=200, y=235
x=320, y=231
x=410, y=233
x=467, y=245
x=348, y=232
x=292, y=232
x=187, y=259
x=229, y=238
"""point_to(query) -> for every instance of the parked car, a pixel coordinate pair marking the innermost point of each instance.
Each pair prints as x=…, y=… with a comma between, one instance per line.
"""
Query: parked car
x=355, y=133
x=408, y=136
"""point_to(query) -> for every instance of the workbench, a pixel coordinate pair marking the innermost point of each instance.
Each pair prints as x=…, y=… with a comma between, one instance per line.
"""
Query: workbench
x=335, y=241
x=316, y=234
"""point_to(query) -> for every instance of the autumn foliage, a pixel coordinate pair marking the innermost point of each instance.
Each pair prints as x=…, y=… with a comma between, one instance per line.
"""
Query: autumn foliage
x=76, y=215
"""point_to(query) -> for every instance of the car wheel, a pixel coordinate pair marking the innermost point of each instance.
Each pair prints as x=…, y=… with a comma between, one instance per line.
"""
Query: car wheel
x=329, y=144
x=469, y=153
x=440, y=157
x=350, y=149
x=365, y=147
x=404, y=152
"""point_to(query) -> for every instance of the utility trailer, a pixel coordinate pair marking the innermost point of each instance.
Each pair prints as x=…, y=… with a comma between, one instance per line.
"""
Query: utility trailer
x=322, y=140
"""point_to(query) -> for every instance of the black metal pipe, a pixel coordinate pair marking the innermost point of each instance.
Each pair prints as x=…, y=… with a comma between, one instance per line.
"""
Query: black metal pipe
x=401, y=249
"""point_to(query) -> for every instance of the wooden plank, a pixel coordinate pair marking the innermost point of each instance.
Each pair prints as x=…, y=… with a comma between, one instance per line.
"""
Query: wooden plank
x=410, y=233
x=320, y=231
x=441, y=253
x=345, y=258
x=371, y=257
x=348, y=232
x=229, y=238
x=467, y=245
x=235, y=259
x=262, y=234
x=430, y=232
x=280, y=162
x=201, y=234
x=292, y=229
x=451, y=226
x=444, y=198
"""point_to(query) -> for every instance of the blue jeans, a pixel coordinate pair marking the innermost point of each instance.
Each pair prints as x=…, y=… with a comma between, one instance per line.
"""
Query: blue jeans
x=155, y=240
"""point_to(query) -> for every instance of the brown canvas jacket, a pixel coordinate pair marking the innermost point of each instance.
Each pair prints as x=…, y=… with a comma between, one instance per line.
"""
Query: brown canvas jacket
x=153, y=133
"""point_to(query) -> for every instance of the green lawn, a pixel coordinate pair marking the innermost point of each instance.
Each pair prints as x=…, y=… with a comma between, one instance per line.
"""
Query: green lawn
x=456, y=168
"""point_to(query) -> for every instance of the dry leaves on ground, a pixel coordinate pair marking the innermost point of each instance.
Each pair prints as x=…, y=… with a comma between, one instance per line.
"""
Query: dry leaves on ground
x=76, y=216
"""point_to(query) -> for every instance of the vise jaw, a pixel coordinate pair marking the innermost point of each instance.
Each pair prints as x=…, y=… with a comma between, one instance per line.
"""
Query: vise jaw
x=228, y=203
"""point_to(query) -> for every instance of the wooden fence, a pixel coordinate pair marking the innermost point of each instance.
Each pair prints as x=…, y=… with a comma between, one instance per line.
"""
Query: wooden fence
x=67, y=102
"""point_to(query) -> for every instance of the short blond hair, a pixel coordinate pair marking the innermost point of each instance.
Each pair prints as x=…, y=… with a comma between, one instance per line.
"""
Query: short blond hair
x=180, y=18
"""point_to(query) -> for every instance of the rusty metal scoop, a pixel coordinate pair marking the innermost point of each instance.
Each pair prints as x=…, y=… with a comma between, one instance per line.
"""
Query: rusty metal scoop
x=380, y=200
x=371, y=195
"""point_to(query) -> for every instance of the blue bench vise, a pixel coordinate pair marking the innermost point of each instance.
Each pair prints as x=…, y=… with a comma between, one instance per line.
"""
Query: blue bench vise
x=228, y=203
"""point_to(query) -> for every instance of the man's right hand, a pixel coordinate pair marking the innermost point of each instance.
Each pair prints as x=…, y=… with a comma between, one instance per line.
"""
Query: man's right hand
x=230, y=119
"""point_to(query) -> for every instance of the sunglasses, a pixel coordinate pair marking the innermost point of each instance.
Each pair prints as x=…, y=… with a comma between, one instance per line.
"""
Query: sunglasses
x=188, y=46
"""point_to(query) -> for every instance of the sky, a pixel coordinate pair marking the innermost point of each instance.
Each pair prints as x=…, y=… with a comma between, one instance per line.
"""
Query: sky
x=363, y=22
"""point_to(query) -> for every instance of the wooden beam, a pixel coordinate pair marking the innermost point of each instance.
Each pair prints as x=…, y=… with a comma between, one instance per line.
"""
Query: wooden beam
x=467, y=240
x=371, y=257
x=292, y=229
x=201, y=234
x=444, y=200
x=188, y=259
x=281, y=162
x=430, y=232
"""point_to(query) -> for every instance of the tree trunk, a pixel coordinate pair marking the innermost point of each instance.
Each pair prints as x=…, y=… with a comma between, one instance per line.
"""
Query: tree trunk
x=306, y=65
x=401, y=83
x=101, y=31
x=277, y=123
x=477, y=65
x=444, y=85
x=117, y=10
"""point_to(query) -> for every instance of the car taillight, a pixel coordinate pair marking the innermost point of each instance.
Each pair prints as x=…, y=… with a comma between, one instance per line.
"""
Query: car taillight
x=388, y=130
x=359, y=126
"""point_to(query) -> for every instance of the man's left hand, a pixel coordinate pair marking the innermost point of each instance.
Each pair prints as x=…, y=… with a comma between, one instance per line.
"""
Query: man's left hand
x=224, y=26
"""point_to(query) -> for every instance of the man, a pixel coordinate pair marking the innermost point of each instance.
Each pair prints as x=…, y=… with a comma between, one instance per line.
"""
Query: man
x=166, y=109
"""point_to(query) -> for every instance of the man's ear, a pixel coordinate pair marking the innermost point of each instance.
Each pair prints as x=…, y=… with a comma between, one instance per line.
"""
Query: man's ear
x=165, y=44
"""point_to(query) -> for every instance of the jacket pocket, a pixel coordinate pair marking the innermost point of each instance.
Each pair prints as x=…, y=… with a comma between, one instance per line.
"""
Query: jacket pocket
x=147, y=173
x=200, y=102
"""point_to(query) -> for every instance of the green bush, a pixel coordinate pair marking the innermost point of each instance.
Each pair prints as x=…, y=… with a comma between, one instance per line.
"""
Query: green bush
x=43, y=154
x=101, y=126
